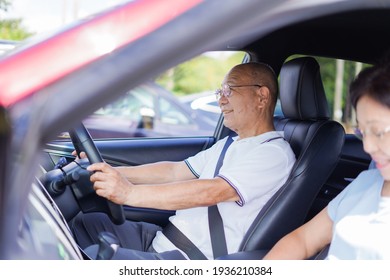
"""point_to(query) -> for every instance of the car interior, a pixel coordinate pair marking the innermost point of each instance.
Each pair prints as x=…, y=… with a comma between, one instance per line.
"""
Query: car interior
x=328, y=156
x=307, y=127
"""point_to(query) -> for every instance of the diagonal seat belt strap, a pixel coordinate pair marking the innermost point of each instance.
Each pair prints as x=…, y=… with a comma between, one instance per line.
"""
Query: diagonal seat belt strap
x=217, y=232
x=182, y=242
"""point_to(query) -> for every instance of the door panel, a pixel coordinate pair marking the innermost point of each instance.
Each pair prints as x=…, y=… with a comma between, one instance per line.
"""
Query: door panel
x=140, y=151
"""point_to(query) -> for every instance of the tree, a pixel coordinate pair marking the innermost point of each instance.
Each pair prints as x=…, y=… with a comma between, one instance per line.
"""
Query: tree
x=339, y=84
x=11, y=29
x=200, y=74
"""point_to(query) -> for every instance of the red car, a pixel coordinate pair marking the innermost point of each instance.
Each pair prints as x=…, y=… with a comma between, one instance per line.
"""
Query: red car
x=51, y=85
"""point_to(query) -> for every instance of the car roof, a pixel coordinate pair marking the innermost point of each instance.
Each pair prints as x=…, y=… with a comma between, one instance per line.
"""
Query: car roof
x=359, y=34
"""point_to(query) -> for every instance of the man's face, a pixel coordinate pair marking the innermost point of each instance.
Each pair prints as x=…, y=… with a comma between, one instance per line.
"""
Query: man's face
x=240, y=109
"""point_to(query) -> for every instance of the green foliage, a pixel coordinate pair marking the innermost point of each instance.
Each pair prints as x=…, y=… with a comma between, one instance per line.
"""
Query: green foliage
x=199, y=74
x=12, y=30
x=328, y=75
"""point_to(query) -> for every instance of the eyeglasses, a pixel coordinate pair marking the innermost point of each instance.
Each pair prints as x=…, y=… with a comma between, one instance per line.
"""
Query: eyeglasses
x=226, y=90
x=379, y=134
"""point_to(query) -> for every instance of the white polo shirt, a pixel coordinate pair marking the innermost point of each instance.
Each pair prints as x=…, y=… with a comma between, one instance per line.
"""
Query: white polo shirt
x=255, y=167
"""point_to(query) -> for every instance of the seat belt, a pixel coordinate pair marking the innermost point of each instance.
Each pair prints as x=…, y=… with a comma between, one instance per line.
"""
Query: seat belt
x=217, y=232
x=217, y=235
x=182, y=242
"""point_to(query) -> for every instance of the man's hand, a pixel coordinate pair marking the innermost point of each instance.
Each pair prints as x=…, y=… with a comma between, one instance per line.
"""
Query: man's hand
x=109, y=182
x=82, y=154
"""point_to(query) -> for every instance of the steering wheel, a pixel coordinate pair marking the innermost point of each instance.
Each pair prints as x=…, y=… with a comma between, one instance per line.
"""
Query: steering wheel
x=83, y=142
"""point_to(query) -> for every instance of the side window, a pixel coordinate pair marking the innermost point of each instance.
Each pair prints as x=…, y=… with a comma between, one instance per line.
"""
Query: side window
x=171, y=114
x=130, y=106
x=336, y=77
x=178, y=103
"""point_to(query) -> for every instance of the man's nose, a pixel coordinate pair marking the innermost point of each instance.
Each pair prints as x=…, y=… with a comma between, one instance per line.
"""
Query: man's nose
x=222, y=100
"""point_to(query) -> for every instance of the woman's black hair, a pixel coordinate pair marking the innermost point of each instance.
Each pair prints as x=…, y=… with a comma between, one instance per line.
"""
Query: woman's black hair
x=373, y=82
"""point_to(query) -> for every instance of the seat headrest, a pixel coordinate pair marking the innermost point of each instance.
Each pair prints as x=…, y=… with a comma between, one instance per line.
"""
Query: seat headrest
x=302, y=93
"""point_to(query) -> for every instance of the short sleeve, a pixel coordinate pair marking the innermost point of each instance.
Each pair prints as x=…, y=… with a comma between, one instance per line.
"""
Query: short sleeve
x=202, y=163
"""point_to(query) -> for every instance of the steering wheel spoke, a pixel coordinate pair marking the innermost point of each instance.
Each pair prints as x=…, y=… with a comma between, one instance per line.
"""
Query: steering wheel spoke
x=83, y=142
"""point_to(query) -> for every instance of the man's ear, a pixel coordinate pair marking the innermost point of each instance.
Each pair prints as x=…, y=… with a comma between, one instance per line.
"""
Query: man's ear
x=264, y=96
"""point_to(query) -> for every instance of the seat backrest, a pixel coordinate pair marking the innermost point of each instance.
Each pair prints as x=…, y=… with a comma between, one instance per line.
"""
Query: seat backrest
x=316, y=141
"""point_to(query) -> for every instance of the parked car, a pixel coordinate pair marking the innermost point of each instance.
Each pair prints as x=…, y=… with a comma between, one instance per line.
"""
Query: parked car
x=148, y=110
x=6, y=46
x=56, y=82
x=205, y=103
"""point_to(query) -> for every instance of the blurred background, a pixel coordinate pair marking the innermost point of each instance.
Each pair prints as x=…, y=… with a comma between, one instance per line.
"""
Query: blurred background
x=38, y=16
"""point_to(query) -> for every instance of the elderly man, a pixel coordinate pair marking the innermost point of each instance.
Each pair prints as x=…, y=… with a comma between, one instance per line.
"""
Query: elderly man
x=255, y=166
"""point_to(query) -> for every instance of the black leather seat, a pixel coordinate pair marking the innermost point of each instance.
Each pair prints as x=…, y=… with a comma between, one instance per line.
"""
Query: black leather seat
x=316, y=141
